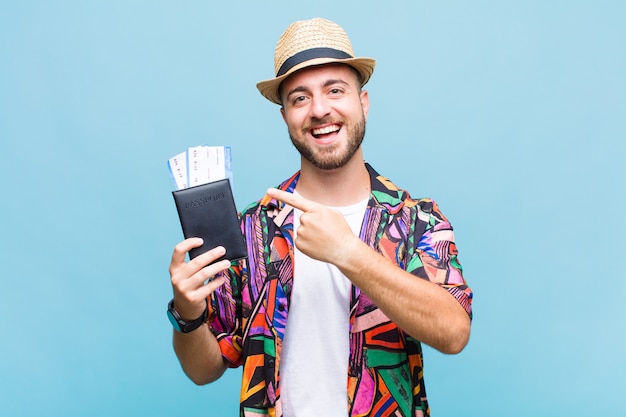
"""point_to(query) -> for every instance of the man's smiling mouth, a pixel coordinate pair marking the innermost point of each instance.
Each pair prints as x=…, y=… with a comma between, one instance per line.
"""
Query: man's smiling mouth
x=321, y=131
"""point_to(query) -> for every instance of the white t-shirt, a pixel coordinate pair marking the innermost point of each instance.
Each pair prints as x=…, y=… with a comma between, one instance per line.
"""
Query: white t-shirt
x=314, y=357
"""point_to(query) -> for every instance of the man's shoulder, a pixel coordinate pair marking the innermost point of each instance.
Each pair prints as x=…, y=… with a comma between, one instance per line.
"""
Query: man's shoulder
x=388, y=195
x=254, y=209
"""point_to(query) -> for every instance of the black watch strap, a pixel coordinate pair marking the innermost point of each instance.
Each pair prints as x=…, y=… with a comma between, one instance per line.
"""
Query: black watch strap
x=183, y=326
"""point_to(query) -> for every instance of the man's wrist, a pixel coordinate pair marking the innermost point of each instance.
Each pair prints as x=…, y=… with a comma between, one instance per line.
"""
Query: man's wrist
x=354, y=250
x=184, y=326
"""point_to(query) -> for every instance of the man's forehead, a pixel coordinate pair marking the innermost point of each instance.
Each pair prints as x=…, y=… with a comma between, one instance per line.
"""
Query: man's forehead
x=320, y=74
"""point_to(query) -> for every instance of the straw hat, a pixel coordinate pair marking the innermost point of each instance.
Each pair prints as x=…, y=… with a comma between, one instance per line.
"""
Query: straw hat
x=312, y=42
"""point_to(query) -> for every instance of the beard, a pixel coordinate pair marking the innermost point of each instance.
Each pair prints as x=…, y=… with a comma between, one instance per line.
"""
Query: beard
x=336, y=155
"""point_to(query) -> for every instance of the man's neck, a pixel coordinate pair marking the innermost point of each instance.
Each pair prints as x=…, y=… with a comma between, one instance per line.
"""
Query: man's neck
x=336, y=188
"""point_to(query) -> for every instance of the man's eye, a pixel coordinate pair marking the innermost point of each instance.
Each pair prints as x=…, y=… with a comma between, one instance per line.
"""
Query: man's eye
x=298, y=99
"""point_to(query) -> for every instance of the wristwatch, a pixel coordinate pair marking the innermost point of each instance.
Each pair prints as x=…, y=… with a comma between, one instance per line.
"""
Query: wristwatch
x=183, y=326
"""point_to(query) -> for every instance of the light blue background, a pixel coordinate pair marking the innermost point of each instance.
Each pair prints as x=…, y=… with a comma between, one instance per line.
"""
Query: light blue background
x=511, y=114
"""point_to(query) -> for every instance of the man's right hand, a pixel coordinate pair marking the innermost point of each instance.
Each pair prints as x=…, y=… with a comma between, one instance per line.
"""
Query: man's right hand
x=189, y=278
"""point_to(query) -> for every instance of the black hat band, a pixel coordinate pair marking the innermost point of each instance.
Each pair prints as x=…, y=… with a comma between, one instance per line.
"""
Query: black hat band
x=309, y=54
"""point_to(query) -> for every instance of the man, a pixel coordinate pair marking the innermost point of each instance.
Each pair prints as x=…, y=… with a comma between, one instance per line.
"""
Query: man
x=346, y=273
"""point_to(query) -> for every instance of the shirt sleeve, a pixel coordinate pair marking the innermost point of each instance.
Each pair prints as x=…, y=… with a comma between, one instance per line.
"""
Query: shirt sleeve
x=224, y=319
x=436, y=256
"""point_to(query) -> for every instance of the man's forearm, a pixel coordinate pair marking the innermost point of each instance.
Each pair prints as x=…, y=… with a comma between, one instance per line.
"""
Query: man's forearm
x=199, y=355
x=419, y=307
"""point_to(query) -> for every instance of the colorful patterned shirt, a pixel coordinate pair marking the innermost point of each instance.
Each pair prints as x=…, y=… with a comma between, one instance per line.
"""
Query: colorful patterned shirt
x=249, y=312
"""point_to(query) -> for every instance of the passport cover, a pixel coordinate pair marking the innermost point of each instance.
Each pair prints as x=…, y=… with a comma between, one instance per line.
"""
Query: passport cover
x=208, y=211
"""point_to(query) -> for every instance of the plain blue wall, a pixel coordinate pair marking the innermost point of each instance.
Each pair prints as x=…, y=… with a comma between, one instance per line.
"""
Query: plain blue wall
x=511, y=114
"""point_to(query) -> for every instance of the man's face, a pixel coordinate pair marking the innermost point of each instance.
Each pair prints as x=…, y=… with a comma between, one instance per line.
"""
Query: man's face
x=325, y=112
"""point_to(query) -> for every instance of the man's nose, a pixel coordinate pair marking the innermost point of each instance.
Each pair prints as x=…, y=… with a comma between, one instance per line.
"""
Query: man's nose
x=320, y=107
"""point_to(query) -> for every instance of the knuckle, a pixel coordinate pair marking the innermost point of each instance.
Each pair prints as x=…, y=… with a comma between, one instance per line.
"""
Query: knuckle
x=198, y=262
x=181, y=247
x=174, y=271
x=204, y=273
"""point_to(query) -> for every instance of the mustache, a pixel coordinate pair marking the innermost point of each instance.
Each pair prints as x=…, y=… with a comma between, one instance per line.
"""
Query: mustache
x=316, y=122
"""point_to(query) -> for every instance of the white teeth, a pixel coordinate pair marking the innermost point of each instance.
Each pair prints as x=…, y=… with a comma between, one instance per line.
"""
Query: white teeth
x=325, y=130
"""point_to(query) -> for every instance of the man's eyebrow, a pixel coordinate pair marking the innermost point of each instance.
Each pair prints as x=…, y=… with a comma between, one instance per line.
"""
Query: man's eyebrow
x=330, y=82
x=298, y=89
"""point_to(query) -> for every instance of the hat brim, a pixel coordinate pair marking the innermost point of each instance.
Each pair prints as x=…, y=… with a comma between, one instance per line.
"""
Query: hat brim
x=269, y=88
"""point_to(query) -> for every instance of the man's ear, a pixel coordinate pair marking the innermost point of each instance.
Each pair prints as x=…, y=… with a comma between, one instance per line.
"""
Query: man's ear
x=282, y=112
x=365, y=102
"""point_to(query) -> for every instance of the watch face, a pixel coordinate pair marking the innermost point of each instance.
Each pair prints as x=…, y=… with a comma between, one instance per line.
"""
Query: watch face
x=173, y=321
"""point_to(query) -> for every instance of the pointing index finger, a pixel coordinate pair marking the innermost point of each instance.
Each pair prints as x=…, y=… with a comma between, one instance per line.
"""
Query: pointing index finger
x=291, y=199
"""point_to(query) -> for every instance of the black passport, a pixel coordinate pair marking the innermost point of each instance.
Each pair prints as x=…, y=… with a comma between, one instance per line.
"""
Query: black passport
x=208, y=211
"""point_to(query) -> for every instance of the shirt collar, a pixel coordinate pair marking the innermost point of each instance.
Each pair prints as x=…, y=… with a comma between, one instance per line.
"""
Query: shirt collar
x=385, y=194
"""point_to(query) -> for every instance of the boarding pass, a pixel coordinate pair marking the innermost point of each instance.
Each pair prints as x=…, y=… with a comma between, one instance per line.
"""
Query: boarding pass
x=200, y=165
